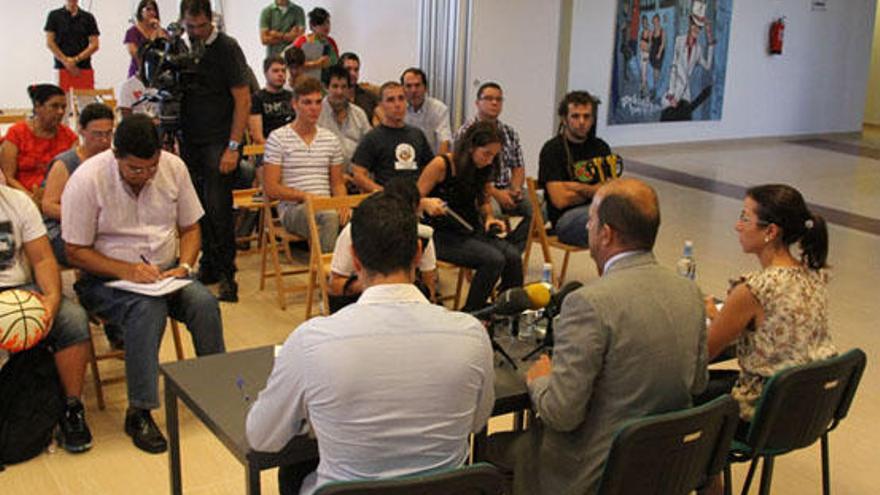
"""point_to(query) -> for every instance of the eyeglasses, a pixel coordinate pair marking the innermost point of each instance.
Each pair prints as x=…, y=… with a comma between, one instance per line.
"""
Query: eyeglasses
x=142, y=170
x=493, y=99
x=745, y=219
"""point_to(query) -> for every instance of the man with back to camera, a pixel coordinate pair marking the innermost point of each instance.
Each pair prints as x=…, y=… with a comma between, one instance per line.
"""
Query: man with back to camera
x=131, y=213
x=564, y=171
x=428, y=114
x=392, y=149
x=506, y=192
x=72, y=37
x=214, y=114
x=364, y=98
x=281, y=23
x=629, y=344
x=366, y=379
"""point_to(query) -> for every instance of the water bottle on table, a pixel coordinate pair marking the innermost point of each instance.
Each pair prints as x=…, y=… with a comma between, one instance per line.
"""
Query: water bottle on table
x=687, y=265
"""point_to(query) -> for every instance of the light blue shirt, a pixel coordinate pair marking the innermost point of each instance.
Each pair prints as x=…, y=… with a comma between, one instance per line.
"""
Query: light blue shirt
x=433, y=119
x=391, y=385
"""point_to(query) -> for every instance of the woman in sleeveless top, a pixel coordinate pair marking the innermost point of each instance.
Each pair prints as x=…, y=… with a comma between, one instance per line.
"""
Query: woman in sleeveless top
x=644, y=53
x=658, y=50
x=458, y=181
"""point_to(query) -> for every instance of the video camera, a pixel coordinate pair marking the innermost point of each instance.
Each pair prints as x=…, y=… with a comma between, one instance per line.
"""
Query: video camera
x=169, y=67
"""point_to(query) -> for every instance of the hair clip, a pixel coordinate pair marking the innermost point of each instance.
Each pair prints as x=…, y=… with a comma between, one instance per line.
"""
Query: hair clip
x=808, y=223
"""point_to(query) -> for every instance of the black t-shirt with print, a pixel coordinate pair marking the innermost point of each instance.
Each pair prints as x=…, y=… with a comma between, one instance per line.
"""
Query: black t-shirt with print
x=554, y=166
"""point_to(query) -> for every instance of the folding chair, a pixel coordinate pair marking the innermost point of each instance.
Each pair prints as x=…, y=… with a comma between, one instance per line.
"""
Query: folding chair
x=798, y=406
x=273, y=238
x=319, y=262
x=672, y=453
x=79, y=98
x=537, y=233
x=478, y=479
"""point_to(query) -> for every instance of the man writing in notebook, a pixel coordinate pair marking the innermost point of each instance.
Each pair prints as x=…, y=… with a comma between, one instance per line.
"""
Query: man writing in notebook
x=131, y=213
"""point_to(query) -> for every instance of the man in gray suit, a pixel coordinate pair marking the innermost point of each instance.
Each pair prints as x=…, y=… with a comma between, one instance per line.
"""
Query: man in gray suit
x=629, y=344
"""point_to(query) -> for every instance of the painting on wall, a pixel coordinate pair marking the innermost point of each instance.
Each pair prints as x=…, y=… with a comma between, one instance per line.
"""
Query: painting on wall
x=670, y=60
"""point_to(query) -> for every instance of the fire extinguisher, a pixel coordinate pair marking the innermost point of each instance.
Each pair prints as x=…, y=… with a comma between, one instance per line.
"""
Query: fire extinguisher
x=777, y=32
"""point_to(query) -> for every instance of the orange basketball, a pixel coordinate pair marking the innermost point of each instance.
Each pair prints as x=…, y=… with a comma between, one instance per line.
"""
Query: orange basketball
x=24, y=320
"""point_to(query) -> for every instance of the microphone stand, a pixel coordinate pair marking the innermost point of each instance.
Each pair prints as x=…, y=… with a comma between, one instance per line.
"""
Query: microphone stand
x=546, y=342
x=495, y=345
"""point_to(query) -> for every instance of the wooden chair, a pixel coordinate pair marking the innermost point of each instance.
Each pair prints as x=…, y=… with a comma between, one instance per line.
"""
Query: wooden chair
x=273, y=235
x=319, y=263
x=250, y=200
x=96, y=326
x=537, y=233
x=79, y=98
x=13, y=116
x=459, y=284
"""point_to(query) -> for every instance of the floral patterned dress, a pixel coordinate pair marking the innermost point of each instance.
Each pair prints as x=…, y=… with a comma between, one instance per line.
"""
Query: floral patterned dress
x=794, y=331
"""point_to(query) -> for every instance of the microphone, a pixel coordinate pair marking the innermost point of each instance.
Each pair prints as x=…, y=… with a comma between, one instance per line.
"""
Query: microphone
x=539, y=295
x=510, y=302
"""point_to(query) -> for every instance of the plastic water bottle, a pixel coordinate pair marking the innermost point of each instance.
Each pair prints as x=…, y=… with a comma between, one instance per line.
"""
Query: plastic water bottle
x=547, y=275
x=540, y=326
x=687, y=265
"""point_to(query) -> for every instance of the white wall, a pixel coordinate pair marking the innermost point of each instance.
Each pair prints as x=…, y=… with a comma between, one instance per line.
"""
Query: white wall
x=383, y=32
x=516, y=44
x=817, y=85
x=872, y=101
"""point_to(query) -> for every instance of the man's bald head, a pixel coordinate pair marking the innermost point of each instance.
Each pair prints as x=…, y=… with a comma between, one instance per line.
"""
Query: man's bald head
x=630, y=207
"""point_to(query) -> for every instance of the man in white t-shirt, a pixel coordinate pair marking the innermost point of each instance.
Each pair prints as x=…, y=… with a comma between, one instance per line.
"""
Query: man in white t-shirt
x=302, y=160
x=346, y=288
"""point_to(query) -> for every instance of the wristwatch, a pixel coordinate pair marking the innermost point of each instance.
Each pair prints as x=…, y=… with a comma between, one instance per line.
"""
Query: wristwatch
x=188, y=268
x=233, y=145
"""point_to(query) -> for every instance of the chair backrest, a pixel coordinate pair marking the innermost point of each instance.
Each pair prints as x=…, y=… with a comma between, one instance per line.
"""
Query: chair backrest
x=672, y=453
x=537, y=212
x=800, y=404
x=479, y=479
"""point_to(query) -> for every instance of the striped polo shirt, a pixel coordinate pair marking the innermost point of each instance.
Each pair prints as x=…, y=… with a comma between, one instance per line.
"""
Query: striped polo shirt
x=305, y=167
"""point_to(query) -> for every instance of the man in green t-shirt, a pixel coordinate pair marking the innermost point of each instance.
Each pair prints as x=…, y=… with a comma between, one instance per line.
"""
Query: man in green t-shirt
x=280, y=24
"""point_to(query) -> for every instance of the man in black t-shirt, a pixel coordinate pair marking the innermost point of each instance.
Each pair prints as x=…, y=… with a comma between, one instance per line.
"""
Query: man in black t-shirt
x=271, y=106
x=72, y=37
x=563, y=172
x=392, y=149
x=214, y=114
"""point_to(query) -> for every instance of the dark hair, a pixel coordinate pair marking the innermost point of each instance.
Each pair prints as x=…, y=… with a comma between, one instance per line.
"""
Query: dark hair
x=339, y=72
x=784, y=206
x=386, y=85
x=196, y=7
x=142, y=5
x=293, y=55
x=487, y=85
x=306, y=86
x=578, y=98
x=384, y=234
x=136, y=135
x=40, y=93
x=318, y=16
x=416, y=71
x=636, y=224
x=478, y=135
x=94, y=111
x=404, y=189
x=271, y=60
x=349, y=56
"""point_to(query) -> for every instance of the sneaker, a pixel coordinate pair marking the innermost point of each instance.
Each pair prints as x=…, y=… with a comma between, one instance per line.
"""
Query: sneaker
x=144, y=432
x=73, y=431
x=228, y=290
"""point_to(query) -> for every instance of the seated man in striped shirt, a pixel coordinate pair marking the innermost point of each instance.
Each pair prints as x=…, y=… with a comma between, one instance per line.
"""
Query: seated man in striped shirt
x=302, y=160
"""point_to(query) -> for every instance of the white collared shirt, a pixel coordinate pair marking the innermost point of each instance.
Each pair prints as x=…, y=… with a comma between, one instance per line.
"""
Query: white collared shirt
x=391, y=385
x=433, y=120
x=619, y=256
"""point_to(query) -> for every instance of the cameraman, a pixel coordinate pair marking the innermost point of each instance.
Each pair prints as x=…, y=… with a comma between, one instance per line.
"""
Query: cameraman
x=214, y=114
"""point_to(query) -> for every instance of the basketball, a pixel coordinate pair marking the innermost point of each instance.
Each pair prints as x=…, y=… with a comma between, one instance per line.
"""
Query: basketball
x=24, y=320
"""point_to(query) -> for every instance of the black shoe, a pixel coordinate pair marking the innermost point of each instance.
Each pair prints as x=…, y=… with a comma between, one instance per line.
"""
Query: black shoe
x=73, y=431
x=139, y=425
x=228, y=290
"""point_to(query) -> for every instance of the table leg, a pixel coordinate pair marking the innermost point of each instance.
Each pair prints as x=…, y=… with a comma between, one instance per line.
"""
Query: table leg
x=252, y=474
x=171, y=422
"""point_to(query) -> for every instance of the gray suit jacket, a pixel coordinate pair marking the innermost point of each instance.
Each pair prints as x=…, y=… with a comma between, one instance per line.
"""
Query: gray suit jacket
x=630, y=344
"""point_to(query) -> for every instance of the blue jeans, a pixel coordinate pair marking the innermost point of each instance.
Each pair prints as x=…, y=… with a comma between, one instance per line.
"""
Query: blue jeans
x=143, y=319
x=295, y=218
x=492, y=259
x=522, y=208
x=571, y=227
x=70, y=326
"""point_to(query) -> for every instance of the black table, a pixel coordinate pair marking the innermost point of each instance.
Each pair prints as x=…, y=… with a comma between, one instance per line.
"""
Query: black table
x=217, y=390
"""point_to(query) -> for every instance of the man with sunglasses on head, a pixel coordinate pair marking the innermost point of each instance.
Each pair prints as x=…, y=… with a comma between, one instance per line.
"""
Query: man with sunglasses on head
x=132, y=214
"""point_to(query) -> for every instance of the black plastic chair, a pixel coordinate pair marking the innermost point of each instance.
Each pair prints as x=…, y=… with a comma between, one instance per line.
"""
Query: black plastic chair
x=798, y=406
x=672, y=453
x=478, y=479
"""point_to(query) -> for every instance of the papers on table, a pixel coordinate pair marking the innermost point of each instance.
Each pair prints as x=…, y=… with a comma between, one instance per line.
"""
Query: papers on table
x=161, y=288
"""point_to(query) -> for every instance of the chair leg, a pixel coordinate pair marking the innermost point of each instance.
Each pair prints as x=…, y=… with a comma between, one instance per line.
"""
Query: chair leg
x=564, y=269
x=766, y=475
x=728, y=480
x=751, y=474
x=264, y=250
x=826, y=468
x=178, y=344
x=310, y=292
x=458, y=285
x=96, y=375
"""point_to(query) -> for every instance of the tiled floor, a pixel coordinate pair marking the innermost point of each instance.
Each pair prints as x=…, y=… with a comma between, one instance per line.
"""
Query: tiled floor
x=844, y=178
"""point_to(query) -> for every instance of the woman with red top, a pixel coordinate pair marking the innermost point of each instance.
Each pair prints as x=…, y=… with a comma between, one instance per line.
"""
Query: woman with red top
x=32, y=144
x=319, y=23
